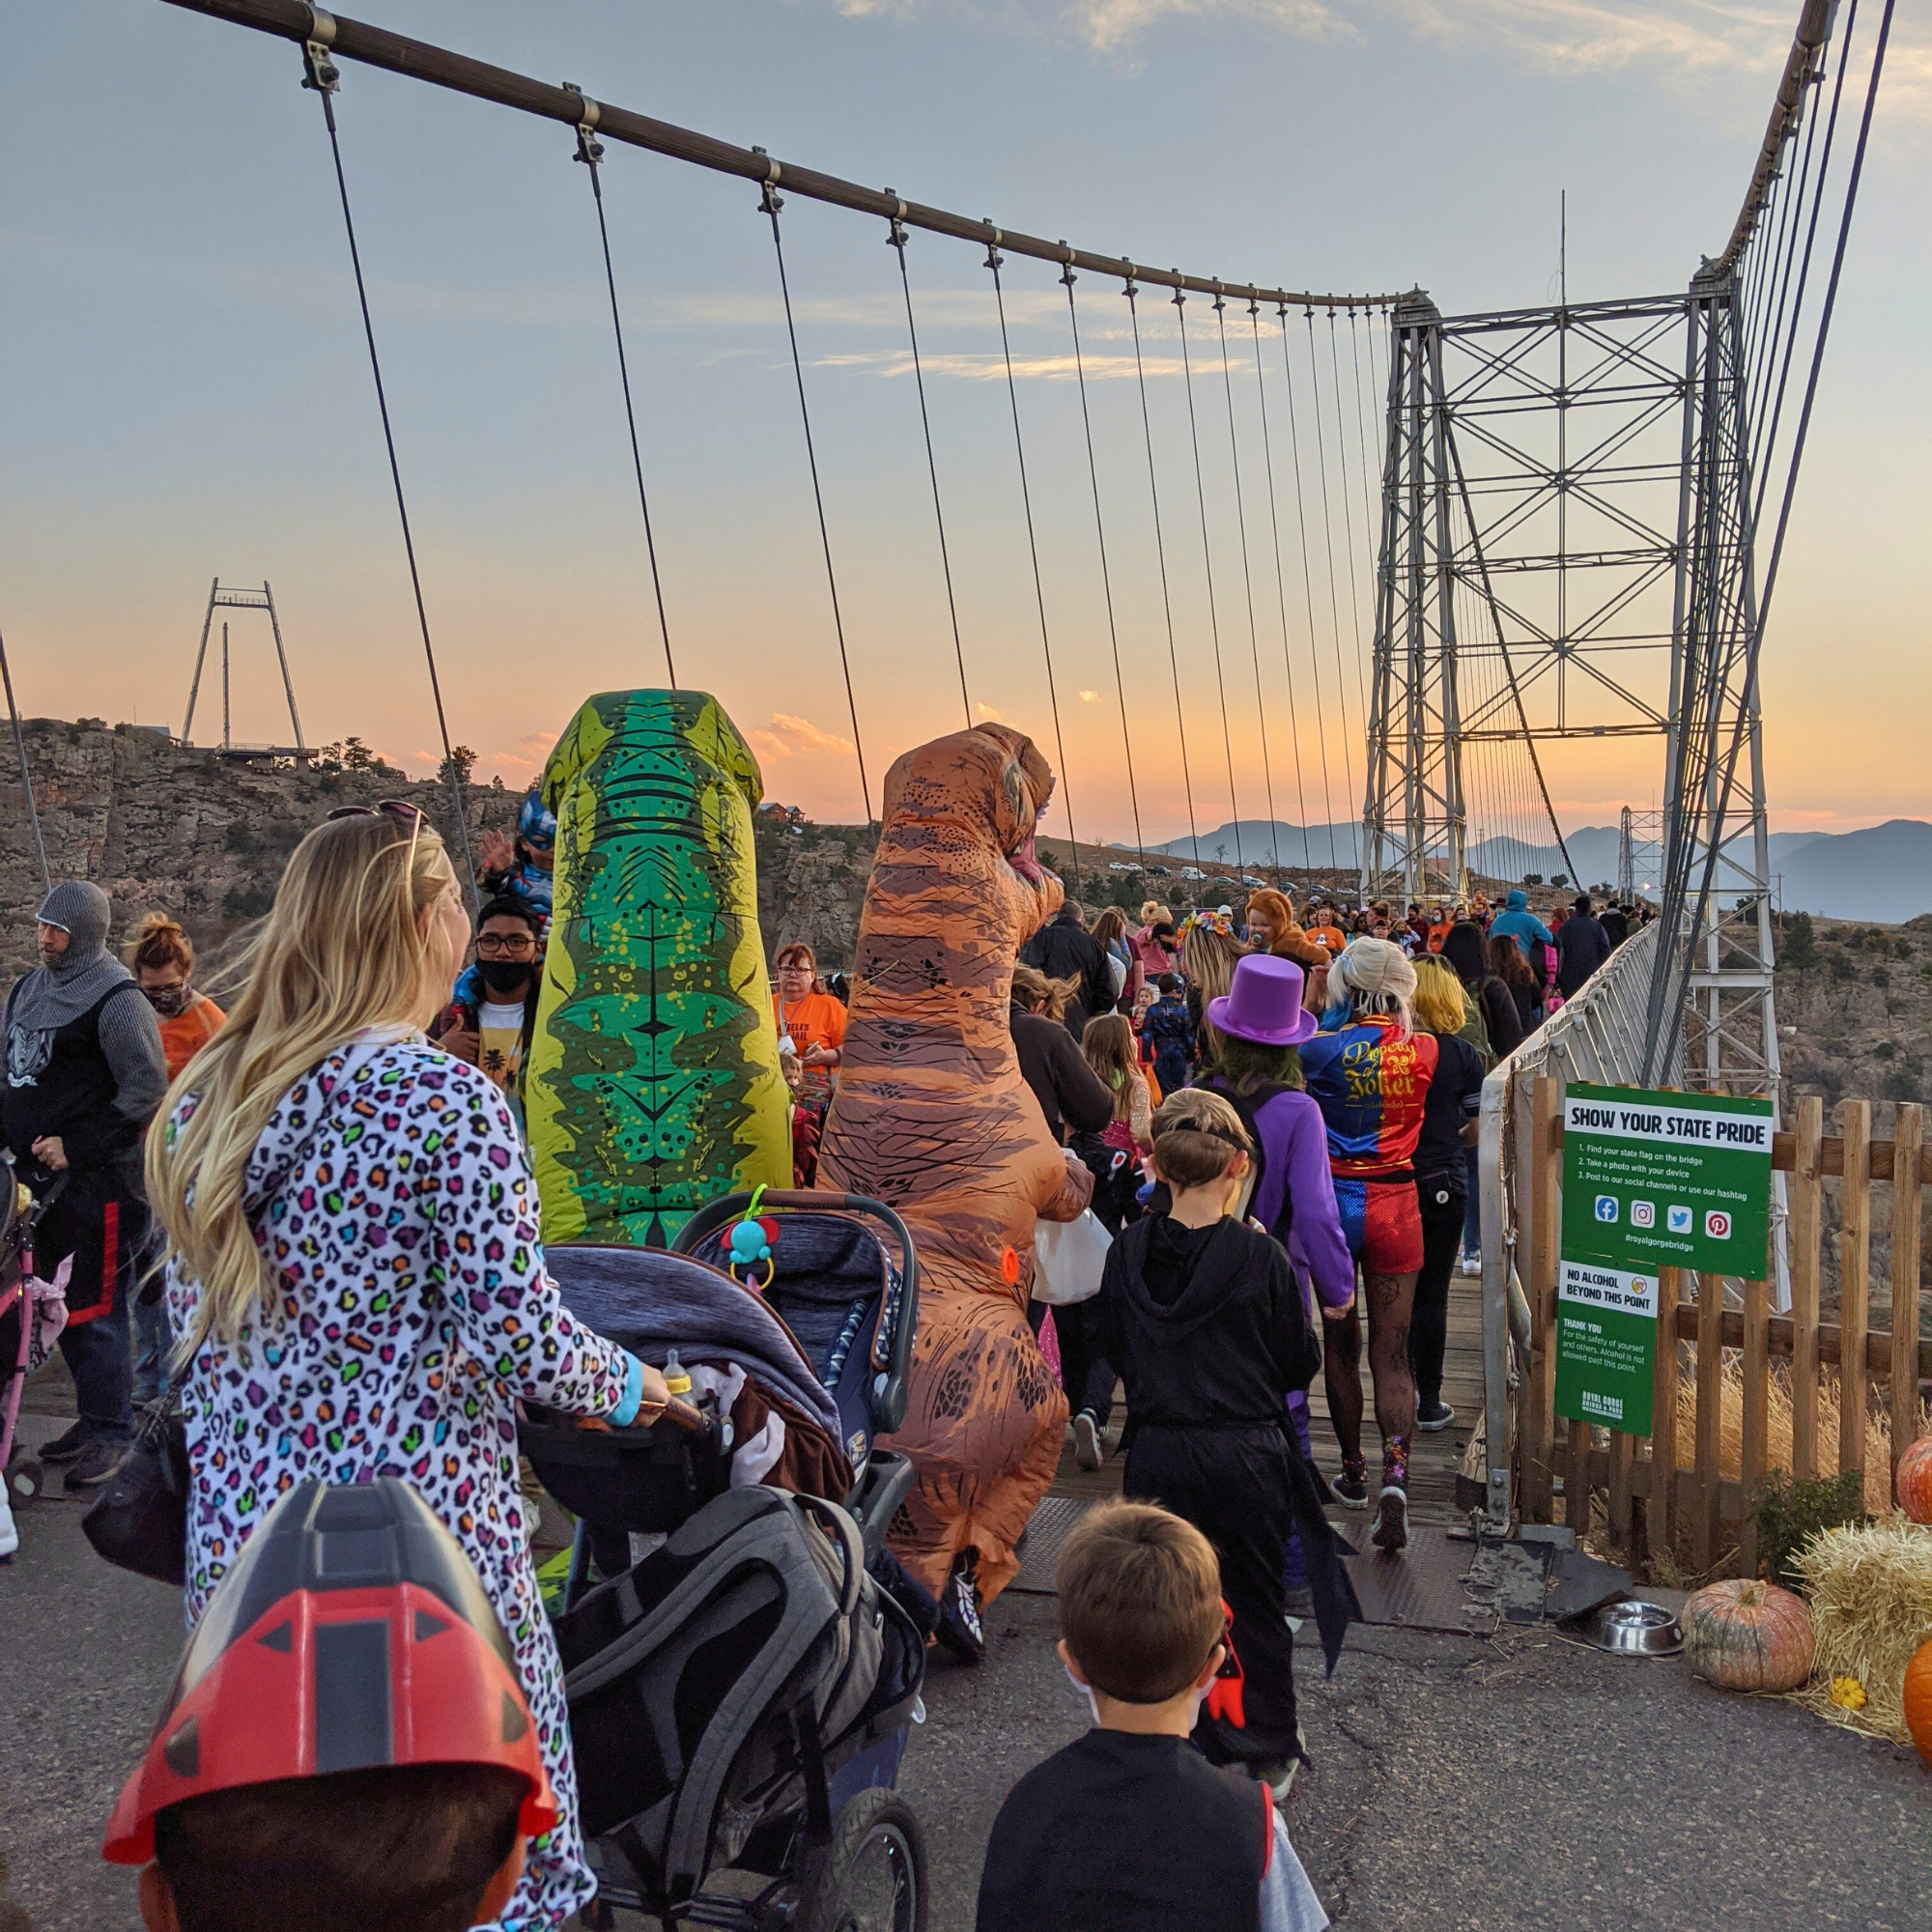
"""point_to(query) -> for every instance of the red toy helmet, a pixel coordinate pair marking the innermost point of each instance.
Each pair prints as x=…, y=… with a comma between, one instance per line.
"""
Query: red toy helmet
x=352, y=1633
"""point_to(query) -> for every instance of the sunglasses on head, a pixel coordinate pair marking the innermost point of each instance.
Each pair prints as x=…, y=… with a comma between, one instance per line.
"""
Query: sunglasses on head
x=409, y=817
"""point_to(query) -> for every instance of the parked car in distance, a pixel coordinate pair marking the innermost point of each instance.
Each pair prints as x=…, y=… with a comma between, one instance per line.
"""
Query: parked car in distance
x=1159, y=872
x=1192, y=873
x=1118, y=866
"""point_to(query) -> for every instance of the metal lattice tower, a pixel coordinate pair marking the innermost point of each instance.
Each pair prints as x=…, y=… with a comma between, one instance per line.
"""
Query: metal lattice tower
x=1639, y=853
x=1564, y=560
x=236, y=598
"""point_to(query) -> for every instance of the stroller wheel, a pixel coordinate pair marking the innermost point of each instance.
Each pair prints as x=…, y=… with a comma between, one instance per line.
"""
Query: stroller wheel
x=871, y=1876
x=26, y=1480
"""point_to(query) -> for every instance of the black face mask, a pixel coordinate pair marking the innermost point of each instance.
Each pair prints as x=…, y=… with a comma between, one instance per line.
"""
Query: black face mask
x=505, y=975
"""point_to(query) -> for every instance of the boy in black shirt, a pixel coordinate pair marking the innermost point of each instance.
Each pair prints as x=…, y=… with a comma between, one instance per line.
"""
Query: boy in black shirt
x=1210, y=1331
x=1129, y=1828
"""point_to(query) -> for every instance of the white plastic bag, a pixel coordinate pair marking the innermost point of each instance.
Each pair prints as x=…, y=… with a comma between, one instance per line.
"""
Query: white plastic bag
x=1069, y=1257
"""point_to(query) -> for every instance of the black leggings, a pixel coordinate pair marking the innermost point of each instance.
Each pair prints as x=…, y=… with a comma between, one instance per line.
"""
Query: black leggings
x=1442, y=1239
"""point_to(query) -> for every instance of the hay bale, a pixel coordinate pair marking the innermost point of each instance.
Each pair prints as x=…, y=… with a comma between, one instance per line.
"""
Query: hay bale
x=1870, y=1586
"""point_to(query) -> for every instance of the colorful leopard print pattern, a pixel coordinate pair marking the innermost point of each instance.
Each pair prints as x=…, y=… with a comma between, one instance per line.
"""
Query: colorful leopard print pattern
x=932, y=1116
x=392, y=1197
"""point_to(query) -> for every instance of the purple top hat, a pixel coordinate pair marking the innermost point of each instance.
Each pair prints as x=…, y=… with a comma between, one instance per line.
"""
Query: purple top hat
x=1263, y=1004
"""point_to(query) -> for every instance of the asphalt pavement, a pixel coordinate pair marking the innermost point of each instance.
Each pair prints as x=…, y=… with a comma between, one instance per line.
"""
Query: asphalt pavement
x=1525, y=1781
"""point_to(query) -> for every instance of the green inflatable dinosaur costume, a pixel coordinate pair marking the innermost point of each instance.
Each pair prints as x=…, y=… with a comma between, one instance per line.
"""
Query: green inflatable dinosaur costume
x=653, y=1083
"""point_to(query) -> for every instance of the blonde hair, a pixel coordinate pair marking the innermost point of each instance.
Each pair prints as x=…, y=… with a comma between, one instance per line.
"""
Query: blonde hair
x=1198, y=1137
x=1440, y=1004
x=1034, y=992
x=1108, y=1044
x=1211, y=956
x=1153, y=913
x=345, y=947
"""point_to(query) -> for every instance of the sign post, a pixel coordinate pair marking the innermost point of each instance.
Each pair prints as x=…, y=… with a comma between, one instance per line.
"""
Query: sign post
x=1650, y=1180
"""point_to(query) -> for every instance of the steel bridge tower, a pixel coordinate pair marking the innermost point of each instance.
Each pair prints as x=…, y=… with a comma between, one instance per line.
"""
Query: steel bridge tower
x=1566, y=557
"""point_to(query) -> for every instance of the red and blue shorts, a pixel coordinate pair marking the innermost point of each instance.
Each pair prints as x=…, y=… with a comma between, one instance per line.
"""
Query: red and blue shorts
x=1381, y=1223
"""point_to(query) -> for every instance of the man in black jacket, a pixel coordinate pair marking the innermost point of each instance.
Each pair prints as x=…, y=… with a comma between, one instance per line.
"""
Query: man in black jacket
x=1582, y=947
x=85, y=1072
x=1065, y=950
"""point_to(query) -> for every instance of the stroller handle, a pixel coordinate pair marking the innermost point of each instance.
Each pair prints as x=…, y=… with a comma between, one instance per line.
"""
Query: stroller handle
x=888, y=1409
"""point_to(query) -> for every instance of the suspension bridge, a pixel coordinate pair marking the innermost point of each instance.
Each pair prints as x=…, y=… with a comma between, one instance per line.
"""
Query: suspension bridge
x=1404, y=564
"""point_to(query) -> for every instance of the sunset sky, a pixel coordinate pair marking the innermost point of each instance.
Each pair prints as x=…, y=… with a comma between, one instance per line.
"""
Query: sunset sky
x=185, y=392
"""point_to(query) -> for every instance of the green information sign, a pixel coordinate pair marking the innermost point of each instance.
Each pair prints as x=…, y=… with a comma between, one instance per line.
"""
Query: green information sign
x=1650, y=1180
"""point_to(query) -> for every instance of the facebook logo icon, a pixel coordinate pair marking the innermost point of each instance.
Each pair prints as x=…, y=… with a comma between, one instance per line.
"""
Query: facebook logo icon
x=1606, y=1207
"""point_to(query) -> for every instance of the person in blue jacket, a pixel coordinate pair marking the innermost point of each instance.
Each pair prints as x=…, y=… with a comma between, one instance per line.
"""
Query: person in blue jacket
x=1516, y=922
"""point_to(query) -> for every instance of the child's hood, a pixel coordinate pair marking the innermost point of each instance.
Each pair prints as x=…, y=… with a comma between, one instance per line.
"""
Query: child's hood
x=1215, y=1280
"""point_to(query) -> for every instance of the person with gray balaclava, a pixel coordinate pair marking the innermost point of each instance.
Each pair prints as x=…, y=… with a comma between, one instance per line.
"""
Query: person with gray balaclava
x=85, y=1072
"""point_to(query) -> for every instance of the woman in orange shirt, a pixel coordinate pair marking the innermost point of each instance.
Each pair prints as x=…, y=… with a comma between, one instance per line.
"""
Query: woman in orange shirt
x=162, y=962
x=812, y=1023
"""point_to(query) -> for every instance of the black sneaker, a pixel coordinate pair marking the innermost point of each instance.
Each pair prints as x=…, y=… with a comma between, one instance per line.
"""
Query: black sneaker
x=65, y=1447
x=95, y=1464
x=1391, y=1531
x=1435, y=1414
x=960, y=1627
x=1351, y=1486
x=1089, y=1451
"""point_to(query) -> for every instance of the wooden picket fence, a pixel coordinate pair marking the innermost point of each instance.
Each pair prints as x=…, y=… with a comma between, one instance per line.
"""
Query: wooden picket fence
x=1696, y=1509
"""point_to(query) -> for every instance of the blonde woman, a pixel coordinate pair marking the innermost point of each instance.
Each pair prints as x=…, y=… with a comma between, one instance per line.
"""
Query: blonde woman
x=1442, y=1176
x=1208, y=953
x=351, y=1254
x=1072, y=1100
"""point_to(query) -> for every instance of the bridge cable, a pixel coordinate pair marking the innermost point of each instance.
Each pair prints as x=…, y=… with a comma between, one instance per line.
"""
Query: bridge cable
x=590, y=151
x=320, y=75
x=1208, y=567
x=1308, y=591
x=1248, y=582
x=993, y=261
x=26, y=776
x=1067, y=277
x=1329, y=542
x=770, y=201
x=1280, y=587
x=1131, y=290
x=898, y=242
x=1347, y=517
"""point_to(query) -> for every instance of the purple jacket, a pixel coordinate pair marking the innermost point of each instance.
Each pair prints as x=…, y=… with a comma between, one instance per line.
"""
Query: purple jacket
x=1295, y=1145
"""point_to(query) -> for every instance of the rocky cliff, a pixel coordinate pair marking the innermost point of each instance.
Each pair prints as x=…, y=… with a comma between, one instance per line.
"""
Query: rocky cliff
x=160, y=826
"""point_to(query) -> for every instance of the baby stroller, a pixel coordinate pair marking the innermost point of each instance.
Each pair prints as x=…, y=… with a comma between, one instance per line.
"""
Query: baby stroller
x=30, y=1319
x=739, y=1695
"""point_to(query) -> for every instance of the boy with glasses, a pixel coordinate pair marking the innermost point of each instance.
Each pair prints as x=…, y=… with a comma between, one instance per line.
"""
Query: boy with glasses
x=494, y=1011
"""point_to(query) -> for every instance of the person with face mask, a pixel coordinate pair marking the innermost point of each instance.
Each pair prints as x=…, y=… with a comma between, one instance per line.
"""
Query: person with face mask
x=494, y=1010
x=162, y=958
x=85, y=1072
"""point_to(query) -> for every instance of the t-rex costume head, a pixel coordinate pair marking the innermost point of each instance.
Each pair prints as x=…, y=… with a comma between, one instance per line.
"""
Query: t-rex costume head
x=932, y=1116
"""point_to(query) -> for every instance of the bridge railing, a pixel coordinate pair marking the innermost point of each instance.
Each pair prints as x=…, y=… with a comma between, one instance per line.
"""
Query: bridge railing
x=1599, y=1036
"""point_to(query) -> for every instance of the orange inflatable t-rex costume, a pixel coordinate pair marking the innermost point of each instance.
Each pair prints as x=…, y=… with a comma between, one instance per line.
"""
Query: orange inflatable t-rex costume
x=931, y=1115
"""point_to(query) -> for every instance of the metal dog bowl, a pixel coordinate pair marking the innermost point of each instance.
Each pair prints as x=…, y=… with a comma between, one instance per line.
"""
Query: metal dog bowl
x=1636, y=1630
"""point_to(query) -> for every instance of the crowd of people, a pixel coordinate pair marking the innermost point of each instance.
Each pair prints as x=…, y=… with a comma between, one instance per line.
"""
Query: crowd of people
x=1277, y=1117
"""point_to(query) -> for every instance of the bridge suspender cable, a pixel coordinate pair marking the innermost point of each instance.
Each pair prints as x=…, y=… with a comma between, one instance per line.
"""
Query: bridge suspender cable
x=1132, y=292
x=1208, y=567
x=1248, y=584
x=591, y=150
x=320, y=74
x=1280, y=587
x=26, y=776
x=770, y=201
x=898, y=242
x=1329, y=542
x=1308, y=587
x=993, y=259
x=1068, y=278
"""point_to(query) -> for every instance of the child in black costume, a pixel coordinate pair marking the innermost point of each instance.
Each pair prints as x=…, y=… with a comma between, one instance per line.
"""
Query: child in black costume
x=1210, y=1331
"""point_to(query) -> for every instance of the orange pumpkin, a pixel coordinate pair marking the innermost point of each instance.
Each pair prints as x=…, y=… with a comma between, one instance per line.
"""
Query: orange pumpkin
x=1745, y=1635
x=1915, y=1481
x=1919, y=1700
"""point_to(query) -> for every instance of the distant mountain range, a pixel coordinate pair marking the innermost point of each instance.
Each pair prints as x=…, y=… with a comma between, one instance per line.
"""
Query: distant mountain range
x=1883, y=872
